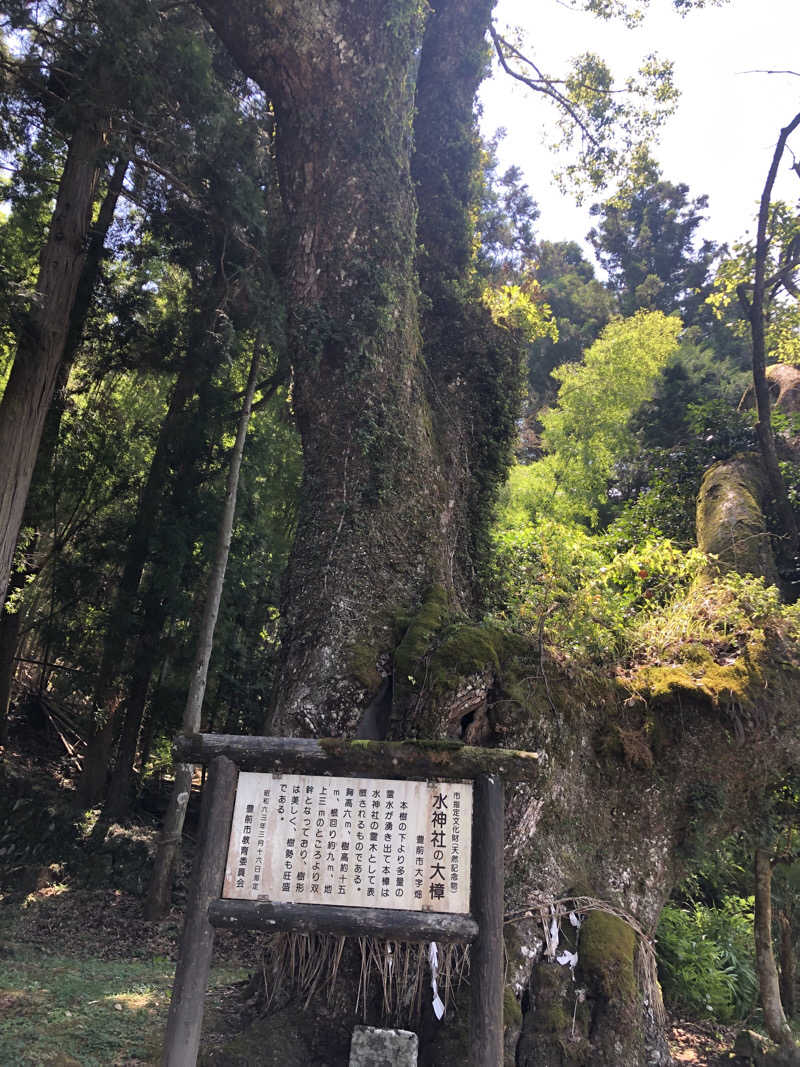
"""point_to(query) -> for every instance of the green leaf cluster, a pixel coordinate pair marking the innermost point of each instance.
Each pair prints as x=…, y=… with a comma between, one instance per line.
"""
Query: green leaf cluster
x=587, y=430
x=706, y=960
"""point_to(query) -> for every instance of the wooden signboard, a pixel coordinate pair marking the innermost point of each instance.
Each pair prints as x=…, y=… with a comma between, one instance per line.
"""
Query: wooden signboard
x=351, y=842
x=383, y=830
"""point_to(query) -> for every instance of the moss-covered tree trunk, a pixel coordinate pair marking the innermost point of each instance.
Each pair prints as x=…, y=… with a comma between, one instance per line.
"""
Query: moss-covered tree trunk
x=381, y=515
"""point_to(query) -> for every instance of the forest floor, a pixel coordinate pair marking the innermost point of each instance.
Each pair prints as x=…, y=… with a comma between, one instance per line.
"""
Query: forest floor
x=85, y=980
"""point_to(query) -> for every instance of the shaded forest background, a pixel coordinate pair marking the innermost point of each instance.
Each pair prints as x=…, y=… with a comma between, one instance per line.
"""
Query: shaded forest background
x=620, y=391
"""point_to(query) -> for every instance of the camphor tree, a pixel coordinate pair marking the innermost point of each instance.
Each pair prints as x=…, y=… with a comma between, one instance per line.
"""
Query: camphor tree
x=405, y=392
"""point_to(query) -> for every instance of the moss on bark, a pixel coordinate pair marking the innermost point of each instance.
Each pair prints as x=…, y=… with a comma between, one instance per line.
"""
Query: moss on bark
x=730, y=520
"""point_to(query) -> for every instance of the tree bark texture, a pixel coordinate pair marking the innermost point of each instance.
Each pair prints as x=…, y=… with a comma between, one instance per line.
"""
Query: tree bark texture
x=10, y=624
x=380, y=516
x=768, y=981
x=40, y=346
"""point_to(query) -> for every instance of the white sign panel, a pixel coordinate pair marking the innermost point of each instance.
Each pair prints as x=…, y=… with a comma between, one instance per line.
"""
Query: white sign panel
x=356, y=842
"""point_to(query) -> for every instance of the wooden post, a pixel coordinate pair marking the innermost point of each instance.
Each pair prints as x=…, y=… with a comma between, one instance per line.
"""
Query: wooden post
x=185, y=1019
x=487, y=965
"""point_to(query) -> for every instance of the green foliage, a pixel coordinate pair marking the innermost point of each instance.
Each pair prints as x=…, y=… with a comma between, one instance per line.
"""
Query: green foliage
x=611, y=124
x=521, y=309
x=506, y=216
x=587, y=430
x=581, y=307
x=555, y=577
x=706, y=961
x=734, y=280
x=659, y=487
x=646, y=240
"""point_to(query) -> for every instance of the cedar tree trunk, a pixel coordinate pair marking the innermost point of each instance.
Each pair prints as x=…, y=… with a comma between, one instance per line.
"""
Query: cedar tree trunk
x=10, y=624
x=158, y=897
x=40, y=346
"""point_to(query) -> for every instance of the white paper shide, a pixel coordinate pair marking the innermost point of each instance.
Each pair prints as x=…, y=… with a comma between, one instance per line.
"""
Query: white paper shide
x=372, y=843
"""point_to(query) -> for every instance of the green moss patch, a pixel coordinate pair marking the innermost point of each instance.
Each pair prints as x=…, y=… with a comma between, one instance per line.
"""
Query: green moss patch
x=605, y=953
x=419, y=636
x=512, y=1012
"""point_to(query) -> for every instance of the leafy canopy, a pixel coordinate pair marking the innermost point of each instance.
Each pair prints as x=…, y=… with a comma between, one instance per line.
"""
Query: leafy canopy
x=734, y=282
x=587, y=431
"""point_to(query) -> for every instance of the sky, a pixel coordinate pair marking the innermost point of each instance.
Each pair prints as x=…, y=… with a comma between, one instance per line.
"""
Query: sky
x=722, y=136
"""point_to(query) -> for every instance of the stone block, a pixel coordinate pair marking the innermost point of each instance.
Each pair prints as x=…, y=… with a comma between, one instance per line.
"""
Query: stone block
x=371, y=1047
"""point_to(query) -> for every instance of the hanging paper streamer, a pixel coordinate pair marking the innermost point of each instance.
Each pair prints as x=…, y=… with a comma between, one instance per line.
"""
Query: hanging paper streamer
x=433, y=960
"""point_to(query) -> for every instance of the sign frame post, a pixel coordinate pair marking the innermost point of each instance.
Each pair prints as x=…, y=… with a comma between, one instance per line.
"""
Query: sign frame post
x=206, y=909
x=185, y=1019
x=486, y=957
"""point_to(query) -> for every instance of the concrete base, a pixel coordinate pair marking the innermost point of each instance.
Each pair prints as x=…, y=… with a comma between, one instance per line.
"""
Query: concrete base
x=371, y=1047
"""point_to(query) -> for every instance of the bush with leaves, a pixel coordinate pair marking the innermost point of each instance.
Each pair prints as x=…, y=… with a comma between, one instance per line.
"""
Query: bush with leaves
x=706, y=960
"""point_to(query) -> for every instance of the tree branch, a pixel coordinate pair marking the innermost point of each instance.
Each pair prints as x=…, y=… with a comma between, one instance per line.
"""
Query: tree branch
x=540, y=84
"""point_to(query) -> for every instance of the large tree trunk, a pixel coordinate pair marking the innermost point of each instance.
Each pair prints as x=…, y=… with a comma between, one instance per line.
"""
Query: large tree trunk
x=374, y=524
x=730, y=521
x=40, y=346
x=768, y=981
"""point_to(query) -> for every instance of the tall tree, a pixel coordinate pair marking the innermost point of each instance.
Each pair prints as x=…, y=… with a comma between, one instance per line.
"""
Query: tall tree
x=647, y=240
x=387, y=492
x=754, y=306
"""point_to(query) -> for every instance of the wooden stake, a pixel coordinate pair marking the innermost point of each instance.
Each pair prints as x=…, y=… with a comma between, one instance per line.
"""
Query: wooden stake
x=486, y=961
x=185, y=1019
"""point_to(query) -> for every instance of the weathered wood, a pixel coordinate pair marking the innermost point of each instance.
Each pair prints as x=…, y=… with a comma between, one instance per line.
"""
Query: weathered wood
x=332, y=919
x=185, y=1018
x=486, y=964
x=384, y=759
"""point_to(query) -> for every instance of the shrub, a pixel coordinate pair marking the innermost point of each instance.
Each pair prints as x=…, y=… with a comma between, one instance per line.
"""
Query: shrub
x=706, y=961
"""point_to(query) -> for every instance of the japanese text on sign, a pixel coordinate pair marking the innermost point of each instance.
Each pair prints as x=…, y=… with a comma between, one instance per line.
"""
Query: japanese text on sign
x=372, y=843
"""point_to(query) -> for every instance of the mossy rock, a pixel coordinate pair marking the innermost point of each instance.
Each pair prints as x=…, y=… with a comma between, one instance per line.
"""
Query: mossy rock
x=717, y=685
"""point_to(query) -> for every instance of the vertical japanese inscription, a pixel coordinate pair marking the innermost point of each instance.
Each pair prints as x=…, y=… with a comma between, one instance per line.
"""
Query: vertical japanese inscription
x=349, y=841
